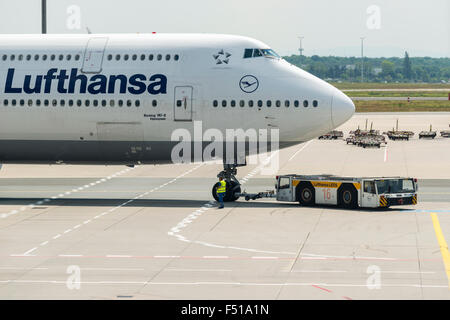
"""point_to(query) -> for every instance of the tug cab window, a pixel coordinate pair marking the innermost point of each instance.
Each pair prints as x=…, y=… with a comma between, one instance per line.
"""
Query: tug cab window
x=284, y=183
x=369, y=187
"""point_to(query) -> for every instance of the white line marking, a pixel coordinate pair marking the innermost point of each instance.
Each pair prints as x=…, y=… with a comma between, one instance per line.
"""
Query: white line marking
x=61, y=195
x=299, y=150
x=165, y=257
x=29, y=251
x=385, y=153
x=57, y=236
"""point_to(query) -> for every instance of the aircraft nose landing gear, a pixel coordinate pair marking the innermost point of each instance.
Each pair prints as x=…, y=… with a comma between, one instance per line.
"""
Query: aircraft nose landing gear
x=233, y=185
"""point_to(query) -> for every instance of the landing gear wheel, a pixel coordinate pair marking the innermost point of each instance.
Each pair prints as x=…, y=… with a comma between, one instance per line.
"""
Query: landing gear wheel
x=348, y=198
x=306, y=195
x=232, y=189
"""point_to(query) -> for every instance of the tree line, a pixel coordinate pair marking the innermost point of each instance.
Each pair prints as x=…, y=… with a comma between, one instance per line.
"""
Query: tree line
x=406, y=69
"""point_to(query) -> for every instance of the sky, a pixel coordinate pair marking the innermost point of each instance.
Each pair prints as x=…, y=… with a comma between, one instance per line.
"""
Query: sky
x=329, y=27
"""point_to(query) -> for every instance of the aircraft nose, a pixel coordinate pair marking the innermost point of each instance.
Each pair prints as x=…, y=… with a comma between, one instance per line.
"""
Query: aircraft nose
x=342, y=108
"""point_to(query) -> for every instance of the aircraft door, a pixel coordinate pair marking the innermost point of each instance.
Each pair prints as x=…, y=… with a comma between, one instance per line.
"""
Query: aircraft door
x=284, y=189
x=183, y=103
x=93, y=55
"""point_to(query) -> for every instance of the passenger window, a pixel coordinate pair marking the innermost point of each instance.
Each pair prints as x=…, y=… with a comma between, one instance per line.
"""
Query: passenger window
x=70, y=103
x=242, y=103
x=250, y=103
x=28, y=57
x=296, y=103
x=44, y=57
x=159, y=57
x=215, y=103
x=269, y=103
x=134, y=57
x=68, y=57
x=111, y=103
x=284, y=183
x=77, y=57
x=117, y=57
x=179, y=103
x=30, y=103
x=233, y=103
x=36, y=57
x=103, y=103
x=46, y=102
x=369, y=187
x=260, y=103
x=142, y=57
x=87, y=103
x=22, y=102
x=167, y=57
x=137, y=103
x=129, y=103
x=54, y=102
x=278, y=103
x=79, y=103
x=95, y=103
x=286, y=103
x=224, y=103
x=125, y=57
x=13, y=102
x=4, y=57
x=62, y=102
x=315, y=103
x=13, y=57
x=176, y=57
x=154, y=103
x=305, y=103
x=150, y=57
x=38, y=102
x=20, y=57
x=109, y=56
x=120, y=103
x=5, y=102
x=52, y=57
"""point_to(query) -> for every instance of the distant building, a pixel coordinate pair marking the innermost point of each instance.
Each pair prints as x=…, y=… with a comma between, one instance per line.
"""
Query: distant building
x=376, y=71
x=350, y=67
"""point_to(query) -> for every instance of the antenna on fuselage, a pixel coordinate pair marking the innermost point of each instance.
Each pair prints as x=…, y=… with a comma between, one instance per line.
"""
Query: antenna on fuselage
x=44, y=16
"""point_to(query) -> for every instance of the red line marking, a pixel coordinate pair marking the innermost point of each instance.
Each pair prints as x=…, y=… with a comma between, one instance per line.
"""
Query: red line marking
x=321, y=288
x=347, y=298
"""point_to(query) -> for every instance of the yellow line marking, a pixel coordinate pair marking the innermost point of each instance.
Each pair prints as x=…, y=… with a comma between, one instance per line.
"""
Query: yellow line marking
x=442, y=244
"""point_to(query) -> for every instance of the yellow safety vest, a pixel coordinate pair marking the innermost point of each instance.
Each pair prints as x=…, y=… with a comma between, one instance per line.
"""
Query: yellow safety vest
x=223, y=187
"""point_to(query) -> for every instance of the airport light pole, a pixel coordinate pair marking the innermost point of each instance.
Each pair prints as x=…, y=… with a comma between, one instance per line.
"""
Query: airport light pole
x=362, y=59
x=44, y=16
x=300, y=49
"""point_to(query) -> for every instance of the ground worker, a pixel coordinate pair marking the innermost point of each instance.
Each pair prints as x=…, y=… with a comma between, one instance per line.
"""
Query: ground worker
x=221, y=191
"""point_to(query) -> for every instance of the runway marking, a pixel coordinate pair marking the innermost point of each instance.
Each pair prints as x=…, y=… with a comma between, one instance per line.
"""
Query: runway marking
x=385, y=153
x=442, y=245
x=199, y=270
x=175, y=231
x=300, y=150
x=221, y=283
x=61, y=195
x=121, y=205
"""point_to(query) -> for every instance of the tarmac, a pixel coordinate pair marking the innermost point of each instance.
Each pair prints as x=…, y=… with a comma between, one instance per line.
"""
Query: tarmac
x=154, y=232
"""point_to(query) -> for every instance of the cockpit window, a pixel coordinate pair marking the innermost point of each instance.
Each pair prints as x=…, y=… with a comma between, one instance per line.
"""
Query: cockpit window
x=269, y=53
x=255, y=53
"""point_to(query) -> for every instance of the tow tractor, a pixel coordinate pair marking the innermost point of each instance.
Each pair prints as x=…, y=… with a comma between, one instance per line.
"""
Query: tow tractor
x=347, y=192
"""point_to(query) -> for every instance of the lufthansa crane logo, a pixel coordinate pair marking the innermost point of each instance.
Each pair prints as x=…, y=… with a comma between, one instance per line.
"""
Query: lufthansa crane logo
x=248, y=83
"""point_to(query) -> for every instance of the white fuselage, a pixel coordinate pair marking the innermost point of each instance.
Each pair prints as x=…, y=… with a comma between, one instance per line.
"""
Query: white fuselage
x=117, y=98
